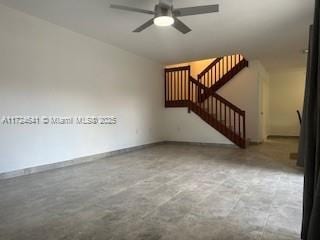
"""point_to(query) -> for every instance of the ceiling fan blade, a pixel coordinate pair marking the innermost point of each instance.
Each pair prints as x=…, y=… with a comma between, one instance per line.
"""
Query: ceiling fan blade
x=144, y=26
x=180, y=26
x=180, y=12
x=131, y=9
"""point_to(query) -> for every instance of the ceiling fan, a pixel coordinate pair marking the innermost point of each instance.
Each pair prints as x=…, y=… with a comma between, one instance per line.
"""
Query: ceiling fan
x=165, y=14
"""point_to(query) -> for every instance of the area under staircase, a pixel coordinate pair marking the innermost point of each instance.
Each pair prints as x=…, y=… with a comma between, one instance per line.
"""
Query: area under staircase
x=200, y=95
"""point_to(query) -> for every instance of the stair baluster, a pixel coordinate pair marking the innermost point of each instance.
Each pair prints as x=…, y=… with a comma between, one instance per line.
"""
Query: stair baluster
x=200, y=96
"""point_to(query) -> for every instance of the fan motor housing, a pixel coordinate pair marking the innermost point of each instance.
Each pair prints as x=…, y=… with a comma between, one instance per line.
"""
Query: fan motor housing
x=163, y=11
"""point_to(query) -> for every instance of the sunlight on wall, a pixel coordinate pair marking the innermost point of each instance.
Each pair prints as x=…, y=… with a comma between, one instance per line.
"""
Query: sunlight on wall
x=198, y=66
x=178, y=79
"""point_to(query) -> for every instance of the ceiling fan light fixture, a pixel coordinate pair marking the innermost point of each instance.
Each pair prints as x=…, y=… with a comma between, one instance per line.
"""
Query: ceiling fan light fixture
x=163, y=21
x=165, y=14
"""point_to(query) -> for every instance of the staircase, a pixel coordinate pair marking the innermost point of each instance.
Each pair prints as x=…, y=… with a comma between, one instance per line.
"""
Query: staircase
x=200, y=95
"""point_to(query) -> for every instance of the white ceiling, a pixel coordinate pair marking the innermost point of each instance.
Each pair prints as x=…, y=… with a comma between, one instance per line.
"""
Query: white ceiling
x=273, y=31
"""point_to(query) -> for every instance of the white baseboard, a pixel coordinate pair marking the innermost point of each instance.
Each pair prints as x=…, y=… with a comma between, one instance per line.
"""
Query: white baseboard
x=76, y=161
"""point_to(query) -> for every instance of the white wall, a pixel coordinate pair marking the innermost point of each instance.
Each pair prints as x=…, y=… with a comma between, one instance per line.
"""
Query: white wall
x=48, y=70
x=181, y=126
x=244, y=91
x=286, y=97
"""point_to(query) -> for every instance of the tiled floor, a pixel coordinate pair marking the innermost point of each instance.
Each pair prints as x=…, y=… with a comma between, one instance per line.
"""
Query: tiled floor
x=164, y=192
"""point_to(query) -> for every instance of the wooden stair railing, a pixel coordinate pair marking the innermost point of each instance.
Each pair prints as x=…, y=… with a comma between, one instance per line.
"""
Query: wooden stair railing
x=221, y=71
x=219, y=113
x=182, y=90
x=176, y=86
